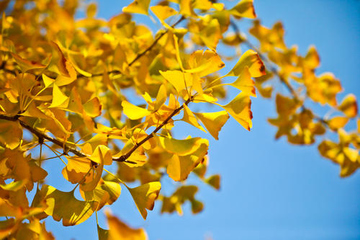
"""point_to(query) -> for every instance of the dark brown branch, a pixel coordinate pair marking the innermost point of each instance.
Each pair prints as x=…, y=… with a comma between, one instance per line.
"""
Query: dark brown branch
x=155, y=42
x=152, y=134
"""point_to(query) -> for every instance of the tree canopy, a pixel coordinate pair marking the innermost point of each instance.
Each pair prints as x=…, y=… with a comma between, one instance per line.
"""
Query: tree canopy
x=105, y=98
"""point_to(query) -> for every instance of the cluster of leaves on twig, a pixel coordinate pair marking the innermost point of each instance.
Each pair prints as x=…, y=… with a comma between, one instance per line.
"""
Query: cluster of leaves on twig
x=63, y=98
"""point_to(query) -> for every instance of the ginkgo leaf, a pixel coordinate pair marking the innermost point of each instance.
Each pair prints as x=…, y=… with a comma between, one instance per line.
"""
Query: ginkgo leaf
x=213, y=121
x=106, y=192
x=240, y=109
x=47, y=81
x=214, y=181
x=349, y=106
x=162, y=13
x=134, y=112
x=93, y=107
x=182, y=147
x=138, y=6
x=121, y=231
x=161, y=97
x=26, y=65
x=178, y=79
x=337, y=122
x=74, y=213
x=10, y=133
x=102, y=154
x=180, y=167
x=312, y=58
x=145, y=195
x=190, y=118
x=76, y=169
x=252, y=60
x=245, y=83
x=211, y=34
x=60, y=100
x=244, y=8
x=204, y=62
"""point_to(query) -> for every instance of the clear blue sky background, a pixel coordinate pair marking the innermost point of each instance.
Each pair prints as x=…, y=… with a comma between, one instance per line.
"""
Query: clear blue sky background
x=270, y=189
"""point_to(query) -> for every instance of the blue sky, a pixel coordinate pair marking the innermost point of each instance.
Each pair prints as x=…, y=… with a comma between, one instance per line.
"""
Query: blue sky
x=270, y=189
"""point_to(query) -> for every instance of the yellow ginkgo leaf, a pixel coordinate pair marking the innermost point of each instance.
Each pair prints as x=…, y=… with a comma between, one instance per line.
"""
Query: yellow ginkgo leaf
x=10, y=134
x=93, y=107
x=244, y=8
x=190, y=118
x=211, y=34
x=240, y=109
x=102, y=154
x=312, y=58
x=60, y=100
x=26, y=65
x=214, y=181
x=178, y=79
x=121, y=231
x=337, y=122
x=245, y=83
x=349, y=106
x=138, y=6
x=76, y=169
x=252, y=60
x=74, y=213
x=134, y=112
x=213, y=121
x=182, y=147
x=145, y=195
x=162, y=13
x=180, y=167
x=204, y=62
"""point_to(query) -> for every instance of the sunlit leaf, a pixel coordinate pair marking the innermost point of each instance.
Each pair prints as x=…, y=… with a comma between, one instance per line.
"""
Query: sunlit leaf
x=240, y=109
x=74, y=213
x=244, y=8
x=138, y=6
x=60, y=100
x=119, y=230
x=145, y=195
x=213, y=121
x=349, y=106
x=134, y=112
x=252, y=60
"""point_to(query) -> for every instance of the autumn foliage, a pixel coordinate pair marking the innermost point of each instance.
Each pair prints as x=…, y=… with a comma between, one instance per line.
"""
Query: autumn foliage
x=104, y=97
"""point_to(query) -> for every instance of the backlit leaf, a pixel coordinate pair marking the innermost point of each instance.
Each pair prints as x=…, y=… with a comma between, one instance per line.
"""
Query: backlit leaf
x=349, y=106
x=60, y=100
x=145, y=195
x=244, y=8
x=252, y=60
x=240, y=109
x=120, y=231
x=138, y=6
x=134, y=112
x=213, y=121
x=74, y=213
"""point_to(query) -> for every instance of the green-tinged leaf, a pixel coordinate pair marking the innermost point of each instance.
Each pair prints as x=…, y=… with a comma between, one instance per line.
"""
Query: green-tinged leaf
x=180, y=167
x=93, y=107
x=103, y=234
x=190, y=118
x=134, y=112
x=10, y=133
x=64, y=206
x=182, y=147
x=145, y=195
x=213, y=121
x=240, y=109
x=214, y=181
x=244, y=8
x=252, y=60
